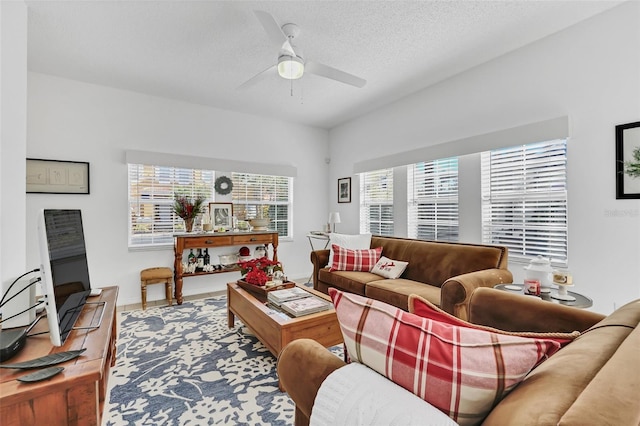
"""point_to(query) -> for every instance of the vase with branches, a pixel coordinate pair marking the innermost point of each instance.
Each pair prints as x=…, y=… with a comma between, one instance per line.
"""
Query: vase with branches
x=187, y=208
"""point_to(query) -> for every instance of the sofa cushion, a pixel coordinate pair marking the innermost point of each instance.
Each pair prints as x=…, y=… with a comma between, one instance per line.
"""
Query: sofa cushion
x=354, y=242
x=354, y=260
x=461, y=371
x=396, y=292
x=351, y=281
x=389, y=268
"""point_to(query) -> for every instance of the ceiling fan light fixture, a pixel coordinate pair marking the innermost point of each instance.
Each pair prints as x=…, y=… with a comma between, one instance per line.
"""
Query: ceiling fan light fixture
x=290, y=67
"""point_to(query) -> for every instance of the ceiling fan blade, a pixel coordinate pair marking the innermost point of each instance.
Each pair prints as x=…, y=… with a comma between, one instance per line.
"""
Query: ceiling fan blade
x=271, y=27
x=256, y=78
x=334, y=74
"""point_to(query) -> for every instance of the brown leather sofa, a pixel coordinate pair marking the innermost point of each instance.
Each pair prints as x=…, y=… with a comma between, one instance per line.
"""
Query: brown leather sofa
x=594, y=380
x=443, y=273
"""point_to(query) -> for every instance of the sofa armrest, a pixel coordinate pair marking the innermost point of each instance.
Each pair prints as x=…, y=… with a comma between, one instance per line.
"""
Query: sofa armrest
x=456, y=291
x=516, y=312
x=302, y=367
x=320, y=259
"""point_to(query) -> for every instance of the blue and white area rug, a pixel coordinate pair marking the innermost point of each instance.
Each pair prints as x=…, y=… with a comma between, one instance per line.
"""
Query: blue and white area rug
x=182, y=365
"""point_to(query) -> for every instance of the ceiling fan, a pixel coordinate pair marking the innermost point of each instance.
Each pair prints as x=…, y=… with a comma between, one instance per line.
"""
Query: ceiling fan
x=291, y=63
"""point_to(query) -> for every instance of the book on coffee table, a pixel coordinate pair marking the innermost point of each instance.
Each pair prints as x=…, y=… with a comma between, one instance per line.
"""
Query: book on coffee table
x=279, y=296
x=305, y=306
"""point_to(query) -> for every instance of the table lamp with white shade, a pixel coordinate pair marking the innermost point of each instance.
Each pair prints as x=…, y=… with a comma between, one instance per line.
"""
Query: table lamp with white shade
x=334, y=217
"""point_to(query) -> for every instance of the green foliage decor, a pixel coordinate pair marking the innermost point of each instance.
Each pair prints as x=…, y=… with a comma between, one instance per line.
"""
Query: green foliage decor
x=188, y=207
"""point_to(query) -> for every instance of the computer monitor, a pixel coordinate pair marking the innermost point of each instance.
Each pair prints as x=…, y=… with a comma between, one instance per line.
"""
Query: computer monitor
x=64, y=270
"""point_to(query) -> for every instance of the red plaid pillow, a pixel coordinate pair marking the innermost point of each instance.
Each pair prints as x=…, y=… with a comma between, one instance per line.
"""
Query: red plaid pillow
x=461, y=371
x=354, y=260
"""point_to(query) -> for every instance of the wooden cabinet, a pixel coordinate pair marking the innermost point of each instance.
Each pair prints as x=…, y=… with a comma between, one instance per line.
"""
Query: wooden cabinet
x=182, y=242
x=77, y=395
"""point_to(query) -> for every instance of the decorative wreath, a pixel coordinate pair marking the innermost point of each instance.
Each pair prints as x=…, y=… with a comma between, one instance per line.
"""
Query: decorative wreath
x=223, y=185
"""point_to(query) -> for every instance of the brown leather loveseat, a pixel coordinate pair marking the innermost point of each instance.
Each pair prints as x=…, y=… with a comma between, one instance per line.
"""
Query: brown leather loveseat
x=594, y=380
x=443, y=273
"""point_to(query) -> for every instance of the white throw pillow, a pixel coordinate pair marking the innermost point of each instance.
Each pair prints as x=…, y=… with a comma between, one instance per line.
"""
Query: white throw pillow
x=352, y=242
x=389, y=268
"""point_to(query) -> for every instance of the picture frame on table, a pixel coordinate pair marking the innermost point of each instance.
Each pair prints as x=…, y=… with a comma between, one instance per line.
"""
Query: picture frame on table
x=344, y=190
x=221, y=215
x=628, y=161
x=57, y=177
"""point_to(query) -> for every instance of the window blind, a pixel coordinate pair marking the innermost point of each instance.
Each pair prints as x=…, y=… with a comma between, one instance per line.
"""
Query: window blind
x=376, y=202
x=524, y=200
x=433, y=200
x=262, y=195
x=151, y=194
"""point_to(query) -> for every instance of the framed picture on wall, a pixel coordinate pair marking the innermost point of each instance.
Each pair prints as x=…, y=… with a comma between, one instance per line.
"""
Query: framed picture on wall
x=344, y=190
x=221, y=214
x=57, y=177
x=628, y=161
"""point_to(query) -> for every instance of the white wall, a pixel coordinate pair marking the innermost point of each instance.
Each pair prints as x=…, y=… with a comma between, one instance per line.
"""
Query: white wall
x=13, y=136
x=591, y=73
x=70, y=120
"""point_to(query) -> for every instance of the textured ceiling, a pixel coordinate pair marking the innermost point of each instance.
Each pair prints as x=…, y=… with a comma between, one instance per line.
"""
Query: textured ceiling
x=201, y=51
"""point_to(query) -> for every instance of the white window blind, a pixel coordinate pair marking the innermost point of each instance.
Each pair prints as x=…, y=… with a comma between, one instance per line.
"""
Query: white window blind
x=524, y=200
x=433, y=200
x=270, y=196
x=376, y=202
x=151, y=194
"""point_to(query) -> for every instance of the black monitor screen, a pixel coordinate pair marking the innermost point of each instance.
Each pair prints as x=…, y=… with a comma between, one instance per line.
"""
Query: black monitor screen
x=69, y=269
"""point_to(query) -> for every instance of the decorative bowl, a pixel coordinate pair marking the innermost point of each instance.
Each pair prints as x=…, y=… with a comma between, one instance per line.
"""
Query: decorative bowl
x=260, y=224
x=228, y=260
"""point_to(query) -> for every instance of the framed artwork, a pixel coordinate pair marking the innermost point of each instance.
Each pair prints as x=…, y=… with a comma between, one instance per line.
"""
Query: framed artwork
x=57, y=177
x=344, y=190
x=221, y=215
x=628, y=161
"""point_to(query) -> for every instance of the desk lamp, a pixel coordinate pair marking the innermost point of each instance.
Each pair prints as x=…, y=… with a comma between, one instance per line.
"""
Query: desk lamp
x=334, y=217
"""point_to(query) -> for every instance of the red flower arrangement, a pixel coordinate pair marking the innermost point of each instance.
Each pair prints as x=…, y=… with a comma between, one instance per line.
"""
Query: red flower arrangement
x=256, y=271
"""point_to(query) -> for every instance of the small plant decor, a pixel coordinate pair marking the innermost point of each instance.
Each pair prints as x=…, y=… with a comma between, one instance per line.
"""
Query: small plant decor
x=258, y=271
x=188, y=207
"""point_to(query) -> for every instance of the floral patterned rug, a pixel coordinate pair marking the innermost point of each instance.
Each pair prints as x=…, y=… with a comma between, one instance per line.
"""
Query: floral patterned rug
x=182, y=365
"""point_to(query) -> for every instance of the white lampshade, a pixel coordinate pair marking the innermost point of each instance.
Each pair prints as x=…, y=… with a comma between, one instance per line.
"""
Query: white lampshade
x=290, y=67
x=334, y=217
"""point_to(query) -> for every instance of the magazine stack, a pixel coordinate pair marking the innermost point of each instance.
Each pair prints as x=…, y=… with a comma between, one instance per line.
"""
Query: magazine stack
x=277, y=297
x=305, y=306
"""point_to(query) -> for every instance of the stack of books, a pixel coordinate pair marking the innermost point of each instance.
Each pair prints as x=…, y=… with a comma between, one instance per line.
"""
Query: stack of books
x=306, y=306
x=297, y=302
x=277, y=297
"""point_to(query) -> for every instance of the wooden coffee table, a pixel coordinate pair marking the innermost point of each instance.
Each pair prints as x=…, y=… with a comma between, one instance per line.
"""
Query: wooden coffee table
x=276, y=329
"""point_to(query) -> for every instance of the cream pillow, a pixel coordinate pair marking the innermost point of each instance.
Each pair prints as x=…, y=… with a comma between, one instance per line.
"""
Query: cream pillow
x=389, y=268
x=352, y=242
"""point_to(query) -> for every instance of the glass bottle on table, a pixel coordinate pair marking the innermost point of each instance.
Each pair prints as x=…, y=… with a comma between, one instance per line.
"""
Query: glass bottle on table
x=200, y=259
x=191, y=259
x=207, y=258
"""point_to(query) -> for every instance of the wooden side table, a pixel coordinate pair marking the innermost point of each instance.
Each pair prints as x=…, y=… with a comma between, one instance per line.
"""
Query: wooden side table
x=580, y=302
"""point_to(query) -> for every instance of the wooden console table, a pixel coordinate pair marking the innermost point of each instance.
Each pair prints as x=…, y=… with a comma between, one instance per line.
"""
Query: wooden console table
x=182, y=242
x=77, y=395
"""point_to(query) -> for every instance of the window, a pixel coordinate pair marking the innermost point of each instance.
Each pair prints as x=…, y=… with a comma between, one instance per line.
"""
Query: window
x=433, y=200
x=524, y=200
x=266, y=196
x=376, y=202
x=151, y=192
